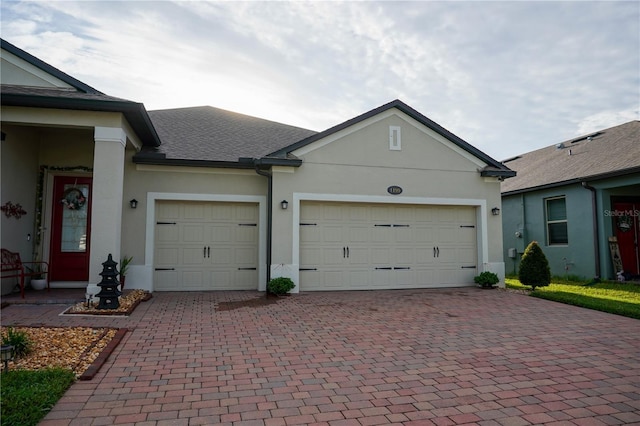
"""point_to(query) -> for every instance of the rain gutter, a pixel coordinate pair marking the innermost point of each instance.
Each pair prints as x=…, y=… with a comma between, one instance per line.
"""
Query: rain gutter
x=596, y=235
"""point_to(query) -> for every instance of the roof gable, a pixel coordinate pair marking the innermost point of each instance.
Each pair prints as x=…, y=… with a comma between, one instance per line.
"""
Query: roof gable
x=42, y=74
x=493, y=167
x=608, y=152
x=62, y=91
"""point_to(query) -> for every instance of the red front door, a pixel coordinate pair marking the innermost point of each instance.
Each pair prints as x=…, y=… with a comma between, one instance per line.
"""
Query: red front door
x=70, y=233
x=627, y=226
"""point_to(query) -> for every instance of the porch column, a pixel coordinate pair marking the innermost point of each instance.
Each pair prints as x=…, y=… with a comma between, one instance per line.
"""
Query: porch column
x=106, y=204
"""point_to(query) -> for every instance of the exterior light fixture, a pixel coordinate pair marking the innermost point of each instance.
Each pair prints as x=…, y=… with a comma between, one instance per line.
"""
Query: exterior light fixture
x=7, y=355
x=495, y=211
x=133, y=203
x=284, y=204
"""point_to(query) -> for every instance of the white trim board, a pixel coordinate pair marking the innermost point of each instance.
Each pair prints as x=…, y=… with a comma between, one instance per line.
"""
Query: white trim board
x=261, y=200
x=480, y=204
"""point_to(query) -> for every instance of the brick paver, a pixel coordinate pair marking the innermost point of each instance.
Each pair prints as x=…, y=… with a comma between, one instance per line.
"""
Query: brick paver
x=423, y=357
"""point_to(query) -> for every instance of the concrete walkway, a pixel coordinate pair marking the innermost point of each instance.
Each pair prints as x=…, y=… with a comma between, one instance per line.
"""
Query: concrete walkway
x=423, y=357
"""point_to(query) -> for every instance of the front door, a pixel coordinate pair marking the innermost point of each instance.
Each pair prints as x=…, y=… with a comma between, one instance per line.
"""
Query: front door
x=627, y=228
x=70, y=234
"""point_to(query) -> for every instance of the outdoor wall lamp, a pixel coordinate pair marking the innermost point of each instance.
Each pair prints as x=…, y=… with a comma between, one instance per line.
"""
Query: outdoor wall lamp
x=284, y=204
x=495, y=211
x=133, y=203
x=7, y=355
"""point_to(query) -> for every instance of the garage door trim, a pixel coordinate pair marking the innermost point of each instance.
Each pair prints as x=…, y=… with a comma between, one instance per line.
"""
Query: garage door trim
x=481, y=216
x=261, y=200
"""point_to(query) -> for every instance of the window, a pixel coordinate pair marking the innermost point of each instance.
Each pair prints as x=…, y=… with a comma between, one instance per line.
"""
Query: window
x=557, y=221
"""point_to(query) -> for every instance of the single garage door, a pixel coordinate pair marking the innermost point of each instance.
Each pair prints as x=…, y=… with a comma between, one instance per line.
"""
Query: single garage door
x=354, y=246
x=206, y=246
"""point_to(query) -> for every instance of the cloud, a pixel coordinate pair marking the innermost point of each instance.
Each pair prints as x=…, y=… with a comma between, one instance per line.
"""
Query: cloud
x=508, y=77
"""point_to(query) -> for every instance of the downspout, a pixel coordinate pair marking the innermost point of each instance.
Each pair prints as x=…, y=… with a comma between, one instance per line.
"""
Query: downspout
x=269, y=176
x=596, y=243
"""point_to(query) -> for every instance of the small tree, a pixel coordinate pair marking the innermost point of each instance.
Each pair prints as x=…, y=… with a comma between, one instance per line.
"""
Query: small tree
x=534, y=268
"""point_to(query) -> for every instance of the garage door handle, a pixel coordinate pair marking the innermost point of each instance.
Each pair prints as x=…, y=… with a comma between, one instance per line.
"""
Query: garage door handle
x=165, y=269
x=468, y=267
x=438, y=251
x=347, y=252
x=204, y=252
x=247, y=269
x=165, y=223
x=386, y=268
x=209, y=251
x=401, y=268
x=308, y=269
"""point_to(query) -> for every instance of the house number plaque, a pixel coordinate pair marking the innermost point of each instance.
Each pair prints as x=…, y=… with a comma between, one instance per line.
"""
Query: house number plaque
x=394, y=190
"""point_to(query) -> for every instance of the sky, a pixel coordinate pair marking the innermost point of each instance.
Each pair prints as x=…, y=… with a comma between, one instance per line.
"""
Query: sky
x=508, y=77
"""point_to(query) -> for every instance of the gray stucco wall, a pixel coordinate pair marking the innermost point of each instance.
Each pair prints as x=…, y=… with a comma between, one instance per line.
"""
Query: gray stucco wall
x=525, y=213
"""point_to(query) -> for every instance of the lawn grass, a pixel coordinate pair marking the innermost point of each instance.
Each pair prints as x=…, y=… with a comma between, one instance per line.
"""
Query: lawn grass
x=27, y=396
x=609, y=296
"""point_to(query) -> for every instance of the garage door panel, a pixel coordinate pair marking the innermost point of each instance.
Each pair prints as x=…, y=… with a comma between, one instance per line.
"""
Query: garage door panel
x=331, y=256
x=192, y=256
x=246, y=234
x=390, y=246
x=167, y=233
x=381, y=256
x=165, y=280
x=194, y=211
x=245, y=257
x=167, y=256
x=193, y=233
x=358, y=234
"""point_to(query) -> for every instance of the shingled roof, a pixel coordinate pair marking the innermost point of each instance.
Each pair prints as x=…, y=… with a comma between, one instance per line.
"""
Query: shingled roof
x=609, y=152
x=208, y=134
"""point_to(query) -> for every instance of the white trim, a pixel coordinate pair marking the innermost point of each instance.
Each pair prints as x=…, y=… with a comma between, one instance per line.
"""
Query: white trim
x=480, y=204
x=110, y=134
x=152, y=197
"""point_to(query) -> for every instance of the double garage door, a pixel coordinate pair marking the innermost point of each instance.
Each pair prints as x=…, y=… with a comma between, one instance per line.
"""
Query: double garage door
x=354, y=246
x=206, y=246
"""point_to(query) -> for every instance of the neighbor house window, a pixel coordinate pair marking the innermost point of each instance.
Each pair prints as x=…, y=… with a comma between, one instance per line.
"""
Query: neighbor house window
x=557, y=221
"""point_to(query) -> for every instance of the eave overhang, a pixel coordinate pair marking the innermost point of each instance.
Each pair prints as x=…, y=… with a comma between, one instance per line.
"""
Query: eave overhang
x=135, y=113
x=590, y=179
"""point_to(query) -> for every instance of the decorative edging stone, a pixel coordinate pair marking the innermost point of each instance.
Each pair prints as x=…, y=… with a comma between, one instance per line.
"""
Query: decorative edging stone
x=97, y=364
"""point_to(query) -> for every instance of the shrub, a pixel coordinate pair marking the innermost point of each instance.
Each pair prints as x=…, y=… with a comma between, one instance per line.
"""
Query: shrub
x=19, y=340
x=486, y=279
x=534, y=268
x=280, y=285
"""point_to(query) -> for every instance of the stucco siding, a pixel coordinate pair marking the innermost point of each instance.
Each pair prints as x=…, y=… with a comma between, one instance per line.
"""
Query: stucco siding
x=177, y=183
x=527, y=212
x=20, y=168
x=358, y=166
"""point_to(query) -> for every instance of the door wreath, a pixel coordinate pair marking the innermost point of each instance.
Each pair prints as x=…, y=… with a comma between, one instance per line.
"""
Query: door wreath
x=73, y=199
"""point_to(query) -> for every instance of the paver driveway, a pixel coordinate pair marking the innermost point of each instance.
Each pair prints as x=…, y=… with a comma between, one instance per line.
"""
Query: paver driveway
x=456, y=356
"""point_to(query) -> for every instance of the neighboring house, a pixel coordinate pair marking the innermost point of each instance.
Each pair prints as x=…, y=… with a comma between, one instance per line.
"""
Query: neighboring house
x=388, y=199
x=572, y=197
